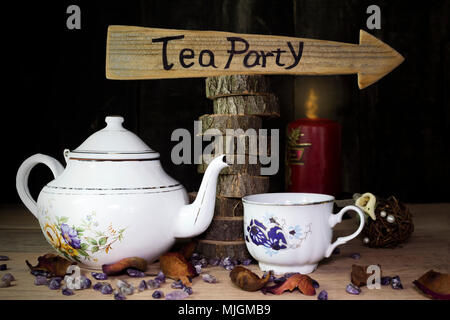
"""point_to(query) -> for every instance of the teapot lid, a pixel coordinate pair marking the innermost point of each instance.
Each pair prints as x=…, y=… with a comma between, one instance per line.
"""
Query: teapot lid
x=113, y=142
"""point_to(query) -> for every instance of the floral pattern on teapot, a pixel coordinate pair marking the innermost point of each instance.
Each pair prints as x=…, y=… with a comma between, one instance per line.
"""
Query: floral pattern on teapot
x=80, y=242
x=273, y=234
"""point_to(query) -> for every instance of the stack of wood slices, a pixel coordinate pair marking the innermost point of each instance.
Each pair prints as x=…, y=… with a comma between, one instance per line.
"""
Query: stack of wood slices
x=240, y=102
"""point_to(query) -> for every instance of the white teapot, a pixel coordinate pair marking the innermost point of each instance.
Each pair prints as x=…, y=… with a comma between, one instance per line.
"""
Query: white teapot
x=114, y=200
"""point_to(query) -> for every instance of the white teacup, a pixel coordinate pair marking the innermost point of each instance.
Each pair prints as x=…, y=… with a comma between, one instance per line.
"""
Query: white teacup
x=291, y=232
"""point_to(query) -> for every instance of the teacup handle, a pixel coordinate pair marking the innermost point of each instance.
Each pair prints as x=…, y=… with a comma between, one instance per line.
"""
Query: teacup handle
x=337, y=218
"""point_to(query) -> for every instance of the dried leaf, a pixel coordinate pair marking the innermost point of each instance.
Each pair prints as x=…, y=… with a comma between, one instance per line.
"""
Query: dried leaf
x=247, y=280
x=359, y=275
x=122, y=265
x=51, y=263
x=303, y=282
x=175, y=266
x=434, y=284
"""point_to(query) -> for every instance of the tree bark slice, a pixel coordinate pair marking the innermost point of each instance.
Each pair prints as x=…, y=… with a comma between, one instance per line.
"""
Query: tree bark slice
x=225, y=229
x=234, y=167
x=236, y=85
x=236, y=145
x=230, y=121
x=240, y=185
x=221, y=249
x=259, y=105
x=225, y=207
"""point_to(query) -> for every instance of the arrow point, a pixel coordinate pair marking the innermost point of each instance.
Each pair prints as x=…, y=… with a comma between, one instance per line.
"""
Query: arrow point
x=381, y=67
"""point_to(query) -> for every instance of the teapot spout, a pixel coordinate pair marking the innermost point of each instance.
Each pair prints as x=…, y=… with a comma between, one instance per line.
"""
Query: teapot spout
x=195, y=218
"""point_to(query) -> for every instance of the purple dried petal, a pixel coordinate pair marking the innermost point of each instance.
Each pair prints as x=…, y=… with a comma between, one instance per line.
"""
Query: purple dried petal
x=135, y=273
x=214, y=262
x=209, y=278
x=67, y=292
x=246, y=262
x=188, y=290
x=290, y=274
x=40, y=273
x=85, y=282
x=229, y=267
x=40, y=280
x=106, y=288
x=396, y=283
x=161, y=277
x=315, y=284
x=54, y=284
x=336, y=250
x=226, y=261
x=153, y=284
x=158, y=294
x=3, y=267
x=5, y=284
x=355, y=256
x=4, y=258
x=119, y=296
x=143, y=286
x=177, y=285
x=202, y=262
x=385, y=281
x=8, y=277
x=99, y=275
x=98, y=286
x=352, y=289
x=323, y=295
x=196, y=256
x=198, y=268
x=177, y=295
x=277, y=280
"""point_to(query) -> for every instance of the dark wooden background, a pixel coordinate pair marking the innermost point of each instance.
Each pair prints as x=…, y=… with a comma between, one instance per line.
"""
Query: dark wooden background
x=395, y=133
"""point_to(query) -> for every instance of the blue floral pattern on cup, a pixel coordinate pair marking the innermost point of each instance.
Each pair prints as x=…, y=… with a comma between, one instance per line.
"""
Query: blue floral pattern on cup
x=274, y=235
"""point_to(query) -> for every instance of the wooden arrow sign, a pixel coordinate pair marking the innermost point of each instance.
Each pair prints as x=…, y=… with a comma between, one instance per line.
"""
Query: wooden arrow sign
x=149, y=53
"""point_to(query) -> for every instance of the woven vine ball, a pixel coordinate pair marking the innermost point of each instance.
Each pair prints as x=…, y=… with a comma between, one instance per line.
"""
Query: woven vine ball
x=393, y=224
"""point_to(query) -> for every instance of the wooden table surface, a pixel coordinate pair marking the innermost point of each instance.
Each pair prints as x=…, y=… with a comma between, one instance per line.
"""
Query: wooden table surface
x=429, y=248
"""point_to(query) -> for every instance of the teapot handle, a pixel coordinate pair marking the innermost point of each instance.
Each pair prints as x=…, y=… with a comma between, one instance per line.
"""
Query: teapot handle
x=24, y=172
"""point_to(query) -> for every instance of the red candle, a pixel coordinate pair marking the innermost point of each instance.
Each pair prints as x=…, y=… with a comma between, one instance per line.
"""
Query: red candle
x=313, y=156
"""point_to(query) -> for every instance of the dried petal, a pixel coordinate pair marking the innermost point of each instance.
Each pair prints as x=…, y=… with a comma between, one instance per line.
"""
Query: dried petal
x=55, y=265
x=247, y=280
x=434, y=284
x=135, y=273
x=177, y=295
x=175, y=266
x=355, y=256
x=161, y=277
x=385, y=281
x=153, y=284
x=67, y=292
x=246, y=262
x=323, y=295
x=106, y=288
x=3, y=267
x=54, y=284
x=188, y=290
x=122, y=265
x=359, y=275
x=209, y=278
x=198, y=268
x=85, y=282
x=300, y=281
x=315, y=283
x=118, y=295
x=143, y=286
x=40, y=281
x=214, y=262
x=177, y=284
x=352, y=289
x=5, y=284
x=8, y=277
x=99, y=275
x=396, y=283
x=4, y=258
x=125, y=287
x=158, y=294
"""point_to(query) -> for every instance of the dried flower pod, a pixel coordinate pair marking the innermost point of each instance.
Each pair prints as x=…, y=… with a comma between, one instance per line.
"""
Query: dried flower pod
x=175, y=266
x=122, y=265
x=302, y=282
x=434, y=284
x=247, y=280
x=51, y=263
x=359, y=275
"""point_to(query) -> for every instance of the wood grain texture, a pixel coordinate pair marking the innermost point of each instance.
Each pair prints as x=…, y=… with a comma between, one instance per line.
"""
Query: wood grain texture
x=221, y=249
x=239, y=84
x=223, y=122
x=240, y=185
x=251, y=169
x=133, y=53
x=224, y=207
x=258, y=105
x=225, y=229
x=427, y=249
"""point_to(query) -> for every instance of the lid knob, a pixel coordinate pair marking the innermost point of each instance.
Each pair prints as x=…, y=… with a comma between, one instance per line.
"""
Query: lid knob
x=114, y=122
